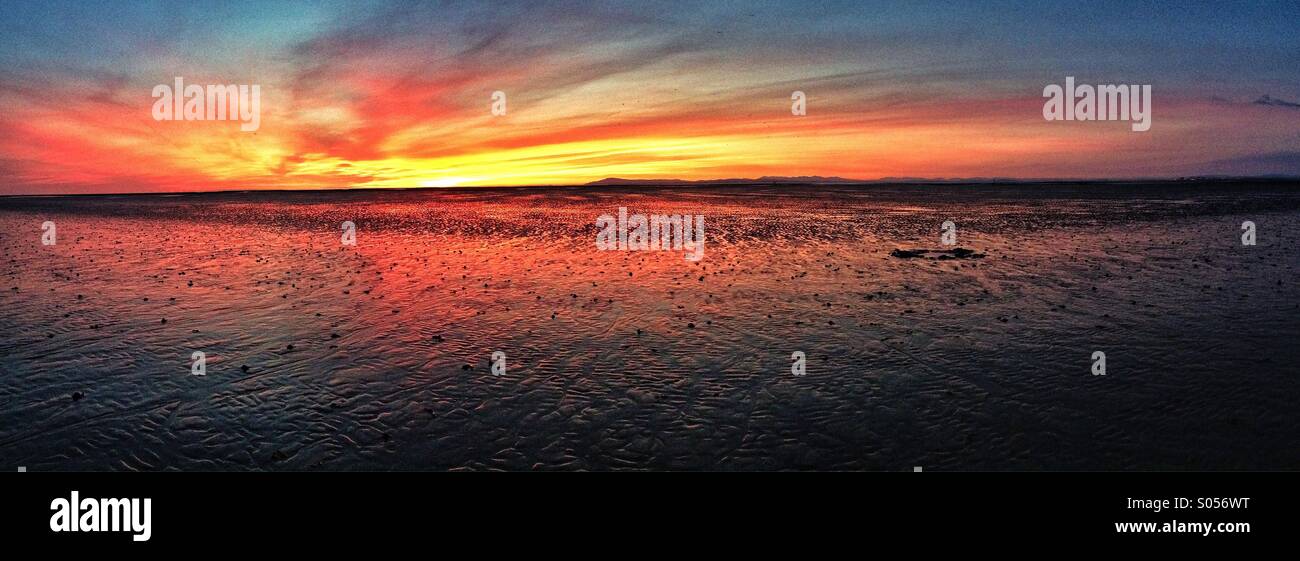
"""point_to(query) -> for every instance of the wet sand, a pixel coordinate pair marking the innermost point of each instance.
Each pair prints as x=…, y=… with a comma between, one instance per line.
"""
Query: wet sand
x=376, y=356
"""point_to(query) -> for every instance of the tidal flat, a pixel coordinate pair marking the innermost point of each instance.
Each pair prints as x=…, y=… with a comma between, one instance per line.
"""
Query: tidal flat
x=376, y=356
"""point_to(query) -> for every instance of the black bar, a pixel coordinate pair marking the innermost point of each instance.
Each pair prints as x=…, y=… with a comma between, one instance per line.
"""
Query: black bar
x=321, y=511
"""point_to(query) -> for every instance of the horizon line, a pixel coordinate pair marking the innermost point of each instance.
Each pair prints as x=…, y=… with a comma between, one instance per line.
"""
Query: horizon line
x=618, y=182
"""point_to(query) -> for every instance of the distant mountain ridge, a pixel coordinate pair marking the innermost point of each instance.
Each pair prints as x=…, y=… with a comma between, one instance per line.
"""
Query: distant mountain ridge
x=764, y=179
x=812, y=180
x=822, y=180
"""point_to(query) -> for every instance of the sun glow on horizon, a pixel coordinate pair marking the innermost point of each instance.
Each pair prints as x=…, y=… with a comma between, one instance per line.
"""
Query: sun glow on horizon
x=447, y=181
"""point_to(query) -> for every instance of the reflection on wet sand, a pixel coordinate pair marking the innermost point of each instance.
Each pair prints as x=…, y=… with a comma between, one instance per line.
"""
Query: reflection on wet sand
x=376, y=356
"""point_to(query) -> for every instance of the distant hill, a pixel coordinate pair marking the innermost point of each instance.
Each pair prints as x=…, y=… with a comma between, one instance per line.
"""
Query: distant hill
x=804, y=179
x=822, y=180
x=798, y=180
x=622, y=181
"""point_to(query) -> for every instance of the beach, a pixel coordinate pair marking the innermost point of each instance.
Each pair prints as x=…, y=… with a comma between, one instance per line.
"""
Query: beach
x=377, y=356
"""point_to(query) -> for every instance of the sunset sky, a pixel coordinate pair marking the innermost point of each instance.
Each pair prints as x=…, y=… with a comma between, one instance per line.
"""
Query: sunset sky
x=396, y=94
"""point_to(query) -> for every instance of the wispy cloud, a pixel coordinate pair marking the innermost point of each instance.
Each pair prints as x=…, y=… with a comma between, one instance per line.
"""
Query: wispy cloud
x=1274, y=102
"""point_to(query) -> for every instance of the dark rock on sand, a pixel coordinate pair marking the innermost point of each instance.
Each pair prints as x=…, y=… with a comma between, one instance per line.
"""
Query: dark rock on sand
x=955, y=253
